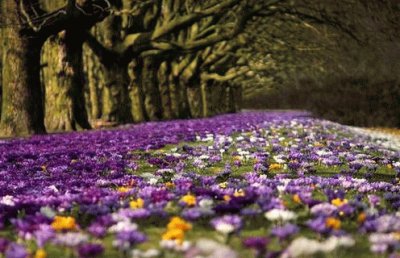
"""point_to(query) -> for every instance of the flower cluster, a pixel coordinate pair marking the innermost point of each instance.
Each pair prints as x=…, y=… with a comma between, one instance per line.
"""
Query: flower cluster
x=283, y=184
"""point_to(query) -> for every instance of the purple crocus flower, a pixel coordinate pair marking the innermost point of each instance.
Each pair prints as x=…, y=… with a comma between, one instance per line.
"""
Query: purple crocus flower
x=90, y=250
x=15, y=250
x=126, y=239
x=3, y=244
x=258, y=243
x=285, y=231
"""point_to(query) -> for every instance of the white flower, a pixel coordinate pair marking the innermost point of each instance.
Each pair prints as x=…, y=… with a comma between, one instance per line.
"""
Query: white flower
x=281, y=215
x=279, y=159
x=122, y=226
x=153, y=181
x=211, y=249
x=224, y=228
x=54, y=188
x=206, y=203
x=174, y=245
x=8, y=200
x=323, y=153
x=71, y=239
x=136, y=253
x=204, y=157
x=48, y=212
x=306, y=247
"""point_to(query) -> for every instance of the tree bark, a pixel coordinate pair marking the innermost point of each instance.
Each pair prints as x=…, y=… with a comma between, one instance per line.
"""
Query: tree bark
x=22, y=105
x=1, y=65
x=116, y=102
x=95, y=80
x=195, y=101
x=164, y=87
x=136, y=92
x=149, y=83
x=65, y=99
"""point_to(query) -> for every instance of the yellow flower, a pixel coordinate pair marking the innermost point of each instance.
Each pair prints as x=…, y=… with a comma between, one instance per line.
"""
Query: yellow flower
x=361, y=217
x=339, y=202
x=275, y=166
x=169, y=185
x=223, y=185
x=174, y=234
x=123, y=189
x=296, y=199
x=63, y=223
x=238, y=158
x=40, y=253
x=333, y=223
x=136, y=204
x=189, y=199
x=239, y=193
x=318, y=144
x=389, y=166
x=227, y=198
x=216, y=170
x=178, y=223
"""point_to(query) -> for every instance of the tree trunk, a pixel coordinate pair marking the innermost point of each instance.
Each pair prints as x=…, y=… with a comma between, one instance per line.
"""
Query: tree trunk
x=65, y=99
x=195, y=101
x=152, y=98
x=237, y=97
x=95, y=79
x=193, y=91
x=135, y=92
x=1, y=65
x=116, y=102
x=178, y=95
x=205, y=99
x=164, y=87
x=22, y=105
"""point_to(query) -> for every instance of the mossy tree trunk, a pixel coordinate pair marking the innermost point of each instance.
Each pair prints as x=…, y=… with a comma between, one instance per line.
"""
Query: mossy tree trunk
x=116, y=101
x=95, y=81
x=64, y=81
x=164, y=74
x=136, y=92
x=149, y=83
x=1, y=65
x=22, y=105
x=195, y=100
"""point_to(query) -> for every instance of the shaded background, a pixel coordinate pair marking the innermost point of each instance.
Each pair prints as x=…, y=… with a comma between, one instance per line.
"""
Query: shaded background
x=337, y=59
x=351, y=80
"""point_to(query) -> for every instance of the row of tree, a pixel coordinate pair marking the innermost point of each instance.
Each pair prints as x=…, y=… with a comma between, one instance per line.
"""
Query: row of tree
x=68, y=63
x=351, y=77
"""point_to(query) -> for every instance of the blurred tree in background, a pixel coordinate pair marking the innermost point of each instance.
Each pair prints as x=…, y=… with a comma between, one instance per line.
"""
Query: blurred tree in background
x=351, y=77
x=78, y=64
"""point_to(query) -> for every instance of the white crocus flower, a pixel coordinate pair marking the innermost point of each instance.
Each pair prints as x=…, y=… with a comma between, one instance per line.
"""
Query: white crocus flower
x=7, y=200
x=280, y=215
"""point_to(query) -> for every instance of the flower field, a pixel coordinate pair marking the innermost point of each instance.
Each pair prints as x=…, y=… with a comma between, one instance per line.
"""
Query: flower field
x=256, y=184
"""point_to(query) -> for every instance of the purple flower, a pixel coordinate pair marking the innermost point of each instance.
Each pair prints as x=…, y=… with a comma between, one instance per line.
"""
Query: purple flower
x=15, y=250
x=285, y=231
x=3, y=244
x=258, y=243
x=97, y=230
x=43, y=235
x=126, y=239
x=90, y=250
x=318, y=225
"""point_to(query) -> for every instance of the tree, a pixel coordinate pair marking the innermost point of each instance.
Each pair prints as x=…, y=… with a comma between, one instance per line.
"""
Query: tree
x=28, y=27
